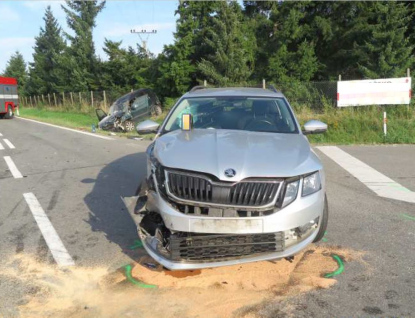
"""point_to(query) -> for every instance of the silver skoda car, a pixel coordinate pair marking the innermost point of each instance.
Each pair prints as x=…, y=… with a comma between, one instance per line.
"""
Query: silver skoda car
x=231, y=179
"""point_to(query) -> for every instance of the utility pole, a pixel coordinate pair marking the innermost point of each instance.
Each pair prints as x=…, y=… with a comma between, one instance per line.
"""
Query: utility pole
x=144, y=41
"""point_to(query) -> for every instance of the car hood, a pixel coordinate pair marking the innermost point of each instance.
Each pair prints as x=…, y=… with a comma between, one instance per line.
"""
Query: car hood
x=250, y=154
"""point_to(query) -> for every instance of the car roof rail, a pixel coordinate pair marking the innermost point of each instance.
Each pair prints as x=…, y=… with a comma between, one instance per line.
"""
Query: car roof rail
x=195, y=88
x=268, y=87
x=272, y=88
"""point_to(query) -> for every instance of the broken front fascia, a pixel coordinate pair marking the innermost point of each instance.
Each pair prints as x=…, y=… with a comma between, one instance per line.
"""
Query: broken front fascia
x=157, y=243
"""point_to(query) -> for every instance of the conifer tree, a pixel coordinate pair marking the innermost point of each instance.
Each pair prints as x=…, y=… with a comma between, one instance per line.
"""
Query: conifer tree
x=46, y=69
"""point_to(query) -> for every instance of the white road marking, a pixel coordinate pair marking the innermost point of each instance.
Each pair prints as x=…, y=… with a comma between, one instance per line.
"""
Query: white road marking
x=58, y=250
x=373, y=179
x=69, y=129
x=1, y=146
x=12, y=167
x=1, y=135
x=8, y=143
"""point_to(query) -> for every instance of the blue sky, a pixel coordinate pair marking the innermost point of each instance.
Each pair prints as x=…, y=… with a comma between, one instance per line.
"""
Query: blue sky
x=20, y=22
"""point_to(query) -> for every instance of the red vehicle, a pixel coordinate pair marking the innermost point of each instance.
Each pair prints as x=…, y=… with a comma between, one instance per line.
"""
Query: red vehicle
x=9, y=100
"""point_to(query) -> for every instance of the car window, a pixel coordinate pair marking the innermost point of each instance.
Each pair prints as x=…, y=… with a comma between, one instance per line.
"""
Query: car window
x=236, y=113
x=140, y=102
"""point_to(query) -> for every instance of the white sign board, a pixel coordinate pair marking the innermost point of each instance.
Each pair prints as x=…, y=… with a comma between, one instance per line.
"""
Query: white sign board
x=388, y=91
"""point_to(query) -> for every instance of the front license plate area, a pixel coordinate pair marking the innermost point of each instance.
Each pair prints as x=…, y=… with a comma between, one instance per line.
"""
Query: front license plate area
x=226, y=226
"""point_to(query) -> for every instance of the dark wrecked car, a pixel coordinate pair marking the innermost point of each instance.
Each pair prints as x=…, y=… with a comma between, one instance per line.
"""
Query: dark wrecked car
x=127, y=110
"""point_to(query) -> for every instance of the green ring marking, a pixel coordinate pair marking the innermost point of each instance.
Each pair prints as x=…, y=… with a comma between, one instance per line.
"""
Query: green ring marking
x=134, y=281
x=339, y=270
x=137, y=244
x=406, y=216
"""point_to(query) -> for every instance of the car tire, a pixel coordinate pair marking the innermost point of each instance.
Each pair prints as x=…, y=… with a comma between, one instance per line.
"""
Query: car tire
x=156, y=111
x=324, y=221
x=2, y=116
x=129, y=125
x=9, y=114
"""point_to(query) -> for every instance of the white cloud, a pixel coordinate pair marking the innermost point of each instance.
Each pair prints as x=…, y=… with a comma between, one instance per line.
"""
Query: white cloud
x=8, y=15
x=121, y=30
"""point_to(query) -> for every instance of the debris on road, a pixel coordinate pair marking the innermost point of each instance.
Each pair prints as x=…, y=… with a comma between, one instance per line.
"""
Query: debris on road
x=215, y=292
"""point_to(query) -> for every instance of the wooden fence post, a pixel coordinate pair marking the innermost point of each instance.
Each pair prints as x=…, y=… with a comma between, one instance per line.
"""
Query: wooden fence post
x=63, y=98
x=92, y=99
x=71, y=98
x=43, y=99
x=105, y=100
x=54, y=97
x=31, y=104
x=49, y=100
x=80, y=98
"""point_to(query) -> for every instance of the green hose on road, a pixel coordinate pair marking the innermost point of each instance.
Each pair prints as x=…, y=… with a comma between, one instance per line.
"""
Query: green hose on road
x=339, y=270
x=131, y=279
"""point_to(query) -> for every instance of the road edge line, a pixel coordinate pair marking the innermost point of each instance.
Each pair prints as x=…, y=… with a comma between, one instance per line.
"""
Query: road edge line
x=66, y=128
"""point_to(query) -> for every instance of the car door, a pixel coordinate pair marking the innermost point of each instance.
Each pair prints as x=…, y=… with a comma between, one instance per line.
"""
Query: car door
x=140, y=106
x=100, y=114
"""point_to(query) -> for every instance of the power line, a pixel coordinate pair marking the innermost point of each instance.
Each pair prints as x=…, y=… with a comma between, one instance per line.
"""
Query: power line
x=144, y=32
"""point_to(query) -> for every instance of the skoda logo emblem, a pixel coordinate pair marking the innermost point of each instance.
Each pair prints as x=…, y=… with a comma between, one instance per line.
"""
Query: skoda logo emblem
x=230, y=173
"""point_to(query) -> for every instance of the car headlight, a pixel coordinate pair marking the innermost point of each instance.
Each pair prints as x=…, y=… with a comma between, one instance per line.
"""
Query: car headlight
x=291, y=190
x=311, y=184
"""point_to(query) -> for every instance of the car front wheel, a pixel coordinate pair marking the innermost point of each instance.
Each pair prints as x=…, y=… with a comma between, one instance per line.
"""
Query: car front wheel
x=156, y=111
x=324, y=221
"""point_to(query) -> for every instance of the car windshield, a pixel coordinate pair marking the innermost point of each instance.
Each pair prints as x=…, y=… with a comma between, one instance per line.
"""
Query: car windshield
x=249, y=114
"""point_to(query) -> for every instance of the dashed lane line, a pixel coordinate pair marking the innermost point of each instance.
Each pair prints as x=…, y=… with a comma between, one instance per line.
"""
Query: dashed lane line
x=8, y=143
x=1, y=146
x=69, y=129
x=12, y=167
x=1, y=135
x=56, y=247
x=373, y=179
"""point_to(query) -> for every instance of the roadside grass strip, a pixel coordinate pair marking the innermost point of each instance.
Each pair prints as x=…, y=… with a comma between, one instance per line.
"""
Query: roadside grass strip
x=69, y=129
x=56, y=247
x=9, y=144
x=12, y=167
x=373, y=179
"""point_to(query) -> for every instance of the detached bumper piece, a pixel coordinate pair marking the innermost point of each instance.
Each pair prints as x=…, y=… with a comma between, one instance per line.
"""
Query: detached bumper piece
x=214, y=247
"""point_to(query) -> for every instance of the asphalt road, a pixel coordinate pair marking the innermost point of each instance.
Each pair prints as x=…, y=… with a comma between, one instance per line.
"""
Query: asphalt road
x=79, y=181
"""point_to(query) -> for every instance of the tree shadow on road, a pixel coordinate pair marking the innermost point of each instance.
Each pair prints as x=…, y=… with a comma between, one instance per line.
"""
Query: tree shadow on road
x=108, y=213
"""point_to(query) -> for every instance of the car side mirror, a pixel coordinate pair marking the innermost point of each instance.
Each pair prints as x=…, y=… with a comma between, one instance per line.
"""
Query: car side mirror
x=314, y=127
x=147, y=126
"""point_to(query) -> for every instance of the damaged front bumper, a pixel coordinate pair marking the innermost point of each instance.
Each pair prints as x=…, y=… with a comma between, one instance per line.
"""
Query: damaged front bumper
x=182, y=242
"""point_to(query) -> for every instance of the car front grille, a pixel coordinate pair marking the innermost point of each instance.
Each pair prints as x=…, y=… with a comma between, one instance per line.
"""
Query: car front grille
x=201, y=189
x=214, y=247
